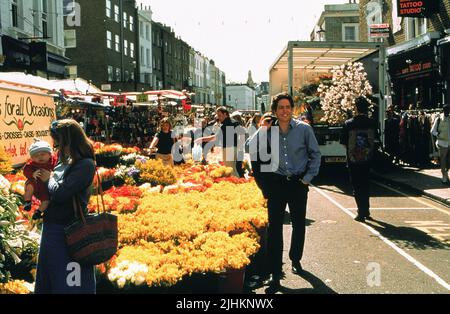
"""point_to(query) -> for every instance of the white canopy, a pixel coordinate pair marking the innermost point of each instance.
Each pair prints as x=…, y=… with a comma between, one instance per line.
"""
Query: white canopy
x=76, y=86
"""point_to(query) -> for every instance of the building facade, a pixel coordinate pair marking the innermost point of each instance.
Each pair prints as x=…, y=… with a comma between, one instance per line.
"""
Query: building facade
x=31, y=37
x=104, y=47
x=144, y=54
x=416, y=50
x=338, y=22
x=240, y=97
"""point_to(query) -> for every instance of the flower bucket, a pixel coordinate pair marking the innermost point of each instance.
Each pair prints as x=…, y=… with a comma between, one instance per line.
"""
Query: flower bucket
x=231, y=281
x=107, y=161
x=106, y=185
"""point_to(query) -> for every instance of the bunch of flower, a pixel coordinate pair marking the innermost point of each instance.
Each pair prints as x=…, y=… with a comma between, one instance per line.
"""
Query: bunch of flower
x=105, y=174
x=18, y=246
x=122, y=200
x=16, y=287
x=221, y=172
x=5, y=162
x=17, y=183
x=130, y=159
x=338, y=100
x=224, y=207
x=155, y=173
x=131, y=150
x=165, y=263
x=112, y=150
x=97, y=145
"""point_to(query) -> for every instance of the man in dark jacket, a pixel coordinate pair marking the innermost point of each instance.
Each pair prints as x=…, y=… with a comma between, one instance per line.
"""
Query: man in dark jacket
x=359, y=135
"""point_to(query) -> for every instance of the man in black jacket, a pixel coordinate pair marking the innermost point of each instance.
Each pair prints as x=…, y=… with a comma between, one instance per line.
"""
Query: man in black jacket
x=359, y=135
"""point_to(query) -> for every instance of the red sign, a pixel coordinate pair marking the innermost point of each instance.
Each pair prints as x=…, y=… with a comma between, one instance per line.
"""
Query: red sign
x=379, y=30
x=417, y=8
x=186, y=104
x=120, y=100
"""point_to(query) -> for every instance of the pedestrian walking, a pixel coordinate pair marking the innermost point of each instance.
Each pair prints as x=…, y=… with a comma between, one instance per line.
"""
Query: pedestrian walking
x=359, y=135
x=293, y=165
x=441, y=130
x=72, y=177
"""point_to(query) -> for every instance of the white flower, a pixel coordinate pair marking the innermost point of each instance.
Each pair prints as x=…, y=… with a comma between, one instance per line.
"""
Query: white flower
x=121, y=282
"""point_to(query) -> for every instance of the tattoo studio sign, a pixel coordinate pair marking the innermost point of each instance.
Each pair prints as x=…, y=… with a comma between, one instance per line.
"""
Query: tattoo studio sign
x=417, y=8
x=23, y=117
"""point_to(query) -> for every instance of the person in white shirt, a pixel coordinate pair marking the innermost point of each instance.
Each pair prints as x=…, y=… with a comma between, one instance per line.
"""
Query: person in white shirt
x=441, y=129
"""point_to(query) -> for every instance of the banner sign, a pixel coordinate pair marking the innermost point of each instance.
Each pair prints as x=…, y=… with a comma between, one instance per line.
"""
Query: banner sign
x=417, y=8
x=142, y=98
x=379, y=30
x=23, y=117
x=120, y=100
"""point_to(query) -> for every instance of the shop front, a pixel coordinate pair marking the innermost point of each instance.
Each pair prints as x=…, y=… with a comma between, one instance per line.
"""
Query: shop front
x=34, y=58
x=444, y=52
x=414, y=74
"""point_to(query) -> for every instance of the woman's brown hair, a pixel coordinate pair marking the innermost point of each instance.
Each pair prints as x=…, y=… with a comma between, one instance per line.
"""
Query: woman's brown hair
x=71, y=140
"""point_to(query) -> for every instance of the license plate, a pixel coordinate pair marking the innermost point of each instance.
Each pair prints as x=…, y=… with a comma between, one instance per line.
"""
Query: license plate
x=335, y=159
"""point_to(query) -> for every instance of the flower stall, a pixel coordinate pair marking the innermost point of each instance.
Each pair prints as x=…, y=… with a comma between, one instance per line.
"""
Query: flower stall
x=179, y=227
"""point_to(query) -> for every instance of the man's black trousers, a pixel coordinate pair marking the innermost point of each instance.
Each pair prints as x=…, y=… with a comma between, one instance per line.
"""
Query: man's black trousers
x=360, y=179
x=282, y=192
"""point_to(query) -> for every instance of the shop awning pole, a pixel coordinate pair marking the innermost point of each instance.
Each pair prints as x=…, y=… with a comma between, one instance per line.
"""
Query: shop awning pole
x=290, y=69
x=382, y=88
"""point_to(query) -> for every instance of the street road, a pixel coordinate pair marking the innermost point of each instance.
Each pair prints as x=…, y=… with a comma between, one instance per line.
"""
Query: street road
x=405, y=249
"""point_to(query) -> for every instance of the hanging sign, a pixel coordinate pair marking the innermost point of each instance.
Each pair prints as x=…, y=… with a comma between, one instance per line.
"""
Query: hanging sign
x=379, y=30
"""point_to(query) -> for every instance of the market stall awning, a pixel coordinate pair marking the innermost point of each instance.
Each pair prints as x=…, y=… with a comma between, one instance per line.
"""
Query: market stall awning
x=76, y=86
x=303, y=59
x=321, y=55
x=173, y=94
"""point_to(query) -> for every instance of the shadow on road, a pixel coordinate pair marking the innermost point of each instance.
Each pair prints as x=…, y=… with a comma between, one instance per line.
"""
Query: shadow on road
x=318, y=286
x=411, y=238
x=287, y=220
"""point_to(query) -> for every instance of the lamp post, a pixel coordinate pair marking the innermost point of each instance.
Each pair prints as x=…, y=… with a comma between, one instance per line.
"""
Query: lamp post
x=321, y=33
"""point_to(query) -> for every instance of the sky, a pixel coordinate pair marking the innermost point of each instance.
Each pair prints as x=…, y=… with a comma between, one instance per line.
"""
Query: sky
x=240, y=35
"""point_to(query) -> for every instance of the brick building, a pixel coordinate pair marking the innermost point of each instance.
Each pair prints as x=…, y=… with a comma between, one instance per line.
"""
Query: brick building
x=104, y=47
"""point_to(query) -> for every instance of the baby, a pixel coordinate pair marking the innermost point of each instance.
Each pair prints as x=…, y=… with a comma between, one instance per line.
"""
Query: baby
x=41, y=157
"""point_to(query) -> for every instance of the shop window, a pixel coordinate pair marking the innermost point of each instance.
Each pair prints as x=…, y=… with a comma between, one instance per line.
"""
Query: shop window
x=70, y=38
